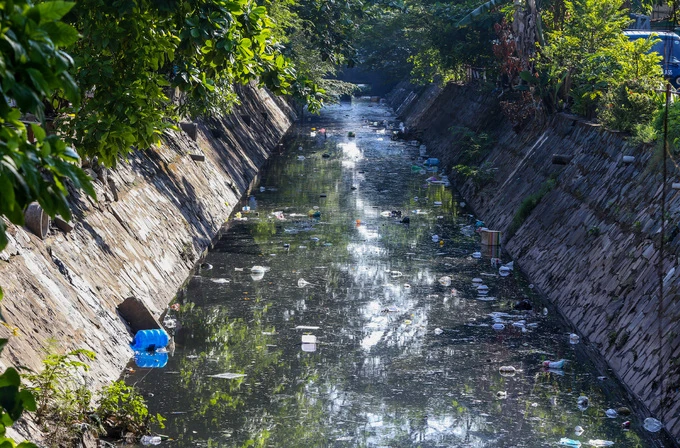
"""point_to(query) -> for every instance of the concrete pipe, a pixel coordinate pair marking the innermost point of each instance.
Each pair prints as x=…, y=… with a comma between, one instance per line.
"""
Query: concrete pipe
x=36, y=220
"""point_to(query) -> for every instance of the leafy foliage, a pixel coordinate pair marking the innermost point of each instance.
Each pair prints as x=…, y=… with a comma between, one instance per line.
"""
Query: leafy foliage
x=14, y=400
x=422, y=40
x=122, y=409
x=33, y=67
x=61, y=399
x=142, y=65
x=63, y=402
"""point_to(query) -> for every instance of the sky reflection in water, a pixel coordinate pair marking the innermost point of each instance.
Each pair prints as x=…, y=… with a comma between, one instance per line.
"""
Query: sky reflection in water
x=378, y=374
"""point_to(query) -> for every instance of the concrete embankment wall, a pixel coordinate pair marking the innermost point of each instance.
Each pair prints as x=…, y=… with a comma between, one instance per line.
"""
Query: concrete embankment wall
x=154, y=216
x=592, y=244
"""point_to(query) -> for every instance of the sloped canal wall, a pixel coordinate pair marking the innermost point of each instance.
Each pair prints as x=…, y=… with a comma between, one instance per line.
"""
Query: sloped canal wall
x=592, y=244
x=154, y=216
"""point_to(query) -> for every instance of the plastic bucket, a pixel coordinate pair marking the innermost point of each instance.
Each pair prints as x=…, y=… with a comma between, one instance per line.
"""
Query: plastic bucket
x=150, y=340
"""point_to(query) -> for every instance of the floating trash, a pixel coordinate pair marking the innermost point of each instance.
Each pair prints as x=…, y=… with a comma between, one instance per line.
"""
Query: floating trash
x=569, y=442
x=482, y=289
x=308, y=339
x=498, y=327
x=257, y=272
x=611, y=413
x=554, y=364
x=407, y=286
x=150, y=440
x=579, y=430
x=438, y=331
x=501, y=395
x=228, y=375
x=652, y=425
x=307, y=327
x=582, y=403
x=435, y=238
x=206, y=266
x=477, y=280
x=302, y=283
x=600, y=442
x=507, y=370
x=220, y=281
x=396, y=274
x=503, y=271
x=445, y=281
x=308, y=347
x=476, y=255
x=574, y=339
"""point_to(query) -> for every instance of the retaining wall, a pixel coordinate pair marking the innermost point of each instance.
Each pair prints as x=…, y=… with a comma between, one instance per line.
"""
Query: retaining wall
x=592, y=244
x=154, y=216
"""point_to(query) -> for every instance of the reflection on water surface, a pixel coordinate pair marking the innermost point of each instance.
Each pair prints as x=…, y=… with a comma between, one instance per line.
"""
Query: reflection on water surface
x=391, y=356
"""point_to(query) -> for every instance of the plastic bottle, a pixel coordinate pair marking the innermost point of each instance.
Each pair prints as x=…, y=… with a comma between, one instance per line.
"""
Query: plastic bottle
x=600, y=442
x=149, y=340
x=569, y=442
x=150, y=440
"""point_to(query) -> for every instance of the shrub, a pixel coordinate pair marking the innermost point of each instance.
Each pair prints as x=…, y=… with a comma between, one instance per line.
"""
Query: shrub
x=528, y=205
x=628, y=105
x=480, y=175
x=121, y=409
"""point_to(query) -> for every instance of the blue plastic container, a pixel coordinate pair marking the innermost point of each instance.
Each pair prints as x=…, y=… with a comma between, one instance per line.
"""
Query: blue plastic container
x=150, y=340
x=432, y=161
x=151, y=359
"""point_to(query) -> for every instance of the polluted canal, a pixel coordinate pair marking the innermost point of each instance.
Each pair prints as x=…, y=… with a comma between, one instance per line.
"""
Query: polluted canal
x=321, y=319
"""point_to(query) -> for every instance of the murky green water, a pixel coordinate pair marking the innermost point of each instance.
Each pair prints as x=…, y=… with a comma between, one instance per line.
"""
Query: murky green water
x=400, y=360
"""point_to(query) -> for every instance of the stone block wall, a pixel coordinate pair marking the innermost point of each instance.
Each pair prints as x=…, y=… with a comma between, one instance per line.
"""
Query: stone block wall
x=592, y=244
x=154, y=216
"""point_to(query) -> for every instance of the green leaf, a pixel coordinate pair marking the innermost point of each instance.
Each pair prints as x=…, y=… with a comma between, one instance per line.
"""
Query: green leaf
x=28, y=400
x=526, y=76
x=62, y=34
x=38, y=132
x=10, y=378
x=53, y=10
x=486, y=7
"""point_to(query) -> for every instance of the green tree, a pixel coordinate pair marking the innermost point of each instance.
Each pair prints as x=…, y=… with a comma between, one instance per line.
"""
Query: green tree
x=142, y=64
x=34, y=68
x=593, y=56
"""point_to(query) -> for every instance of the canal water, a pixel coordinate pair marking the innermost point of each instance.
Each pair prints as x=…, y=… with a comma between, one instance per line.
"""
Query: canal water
x=357, y=330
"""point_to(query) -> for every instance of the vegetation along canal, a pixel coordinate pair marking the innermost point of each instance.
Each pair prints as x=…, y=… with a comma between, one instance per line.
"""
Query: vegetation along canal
x=319, y=321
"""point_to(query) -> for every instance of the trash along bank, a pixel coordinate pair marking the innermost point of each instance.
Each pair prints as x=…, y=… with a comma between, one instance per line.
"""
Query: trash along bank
x=154, y=216
x=351, y=303
x=586, y=211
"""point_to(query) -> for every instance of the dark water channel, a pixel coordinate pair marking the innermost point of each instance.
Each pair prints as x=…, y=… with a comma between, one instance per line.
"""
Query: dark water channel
x=400, y=359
